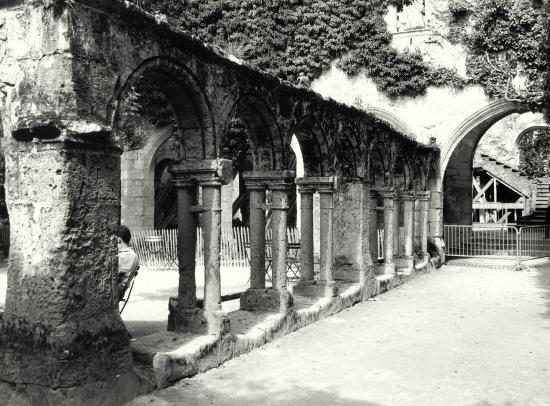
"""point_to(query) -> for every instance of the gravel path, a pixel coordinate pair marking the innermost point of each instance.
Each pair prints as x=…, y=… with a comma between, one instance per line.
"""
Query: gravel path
x=459, y=336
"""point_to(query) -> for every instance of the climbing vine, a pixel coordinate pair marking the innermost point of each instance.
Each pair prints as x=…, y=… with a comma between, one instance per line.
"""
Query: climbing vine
x=505, y=42
x=298, y=39
x=534, y=155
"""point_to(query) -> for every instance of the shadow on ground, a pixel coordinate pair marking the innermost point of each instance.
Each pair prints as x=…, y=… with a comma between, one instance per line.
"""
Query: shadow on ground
x=193, y=392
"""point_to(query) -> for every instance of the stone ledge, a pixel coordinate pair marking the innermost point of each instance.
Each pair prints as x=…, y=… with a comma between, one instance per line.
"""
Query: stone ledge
x=209, y=351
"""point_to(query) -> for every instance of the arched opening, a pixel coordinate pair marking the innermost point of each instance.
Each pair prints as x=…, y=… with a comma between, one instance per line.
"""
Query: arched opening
x=252, y=140
x=457, y=160
x=162, y=116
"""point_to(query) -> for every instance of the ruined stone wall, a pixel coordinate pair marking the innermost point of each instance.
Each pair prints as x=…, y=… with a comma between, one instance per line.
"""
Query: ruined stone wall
x=500, y=141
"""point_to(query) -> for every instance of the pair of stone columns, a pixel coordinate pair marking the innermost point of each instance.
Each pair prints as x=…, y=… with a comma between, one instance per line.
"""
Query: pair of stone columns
x=188, y=177
x=390, y=200
x=307, y=187
x=281, y=184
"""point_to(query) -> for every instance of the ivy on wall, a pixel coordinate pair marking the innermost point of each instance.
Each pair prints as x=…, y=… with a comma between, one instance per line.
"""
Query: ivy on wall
x=547, y=54
x=298, y=39
x=506, y=46
x=534, y=155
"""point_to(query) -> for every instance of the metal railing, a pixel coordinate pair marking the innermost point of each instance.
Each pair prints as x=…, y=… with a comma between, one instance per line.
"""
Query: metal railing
x=496, y=240
x=534, y=242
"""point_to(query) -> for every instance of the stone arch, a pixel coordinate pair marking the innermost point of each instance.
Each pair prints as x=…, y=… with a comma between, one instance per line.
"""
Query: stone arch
x=392, y=120
x=312, y=140
x=379, y=165
x=265, y=135
x=401, y=174
x=529, y=129
x=195, y=134
x=457, y=157
x=348, y=152
x=186, y=96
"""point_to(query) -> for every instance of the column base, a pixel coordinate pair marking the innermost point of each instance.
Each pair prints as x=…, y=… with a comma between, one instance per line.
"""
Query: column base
x=386, y=268
x=185, y=319
x=404, y=264
x=421, y=258
x=267, y=300
x=315, y=289
x=218, y=322
x=70, y=355
x=343, y=270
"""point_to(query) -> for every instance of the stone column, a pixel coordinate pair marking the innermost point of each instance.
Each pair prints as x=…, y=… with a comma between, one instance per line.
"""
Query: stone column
x=326, y=186
x=276, y=298
x=424, y=206
x=211, y=219
x=373, y=226
x=396, y=227
x=184, y=314
x=416, y=239
x=279, y=214
x=306, y=232
x=367, y=265
x=436, y=223
x=326, y=195
x=60, y=327
x=407, y=262
x=389, y=265
x=257, y=235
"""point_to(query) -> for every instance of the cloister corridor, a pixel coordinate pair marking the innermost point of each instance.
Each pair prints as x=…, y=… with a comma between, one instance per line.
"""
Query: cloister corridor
x=458, y=335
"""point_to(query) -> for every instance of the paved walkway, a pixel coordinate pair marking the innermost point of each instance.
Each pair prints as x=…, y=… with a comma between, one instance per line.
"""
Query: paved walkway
x=460, y=336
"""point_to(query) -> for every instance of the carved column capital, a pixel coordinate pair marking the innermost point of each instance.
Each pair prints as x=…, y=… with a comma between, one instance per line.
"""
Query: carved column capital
x=210, y=172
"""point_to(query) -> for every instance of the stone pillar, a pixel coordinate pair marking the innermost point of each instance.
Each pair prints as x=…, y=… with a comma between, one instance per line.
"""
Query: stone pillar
x=326, y=242
x=416, y=239
x=396, y=227
x=279, y=215
x=373, y=226
x=389, y=265
x=187, y=176
x=424, y=206
x=436, y=222
x=326, y=186
x=211, y=219
x=184, y=314
x=406, y=263
x=257, y=235
x=61, y=327
x=306, y=231
x=367, y=265
x=257, y=297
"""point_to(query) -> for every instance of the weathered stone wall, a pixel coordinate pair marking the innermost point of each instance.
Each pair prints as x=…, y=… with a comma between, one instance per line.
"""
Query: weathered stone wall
x=500, y=141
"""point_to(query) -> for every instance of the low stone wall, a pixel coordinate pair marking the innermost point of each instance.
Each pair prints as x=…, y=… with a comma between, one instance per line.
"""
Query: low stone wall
x=206, y=352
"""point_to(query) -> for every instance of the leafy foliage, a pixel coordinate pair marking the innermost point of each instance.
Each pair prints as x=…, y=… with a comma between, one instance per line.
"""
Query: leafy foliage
x=505, y=41
x=535, y=153
x=234, y=145
x=298, y=39
x=143, y=102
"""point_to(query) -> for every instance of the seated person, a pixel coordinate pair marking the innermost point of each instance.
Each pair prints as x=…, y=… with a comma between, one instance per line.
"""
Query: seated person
x=128, y=261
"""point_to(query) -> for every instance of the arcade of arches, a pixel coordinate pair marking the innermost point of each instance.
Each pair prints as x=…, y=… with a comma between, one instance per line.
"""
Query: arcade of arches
x=75, y=118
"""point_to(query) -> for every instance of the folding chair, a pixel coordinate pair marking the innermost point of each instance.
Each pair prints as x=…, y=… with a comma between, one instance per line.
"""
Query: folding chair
x=268, y=260
x=126, y=290
x=293, y=265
